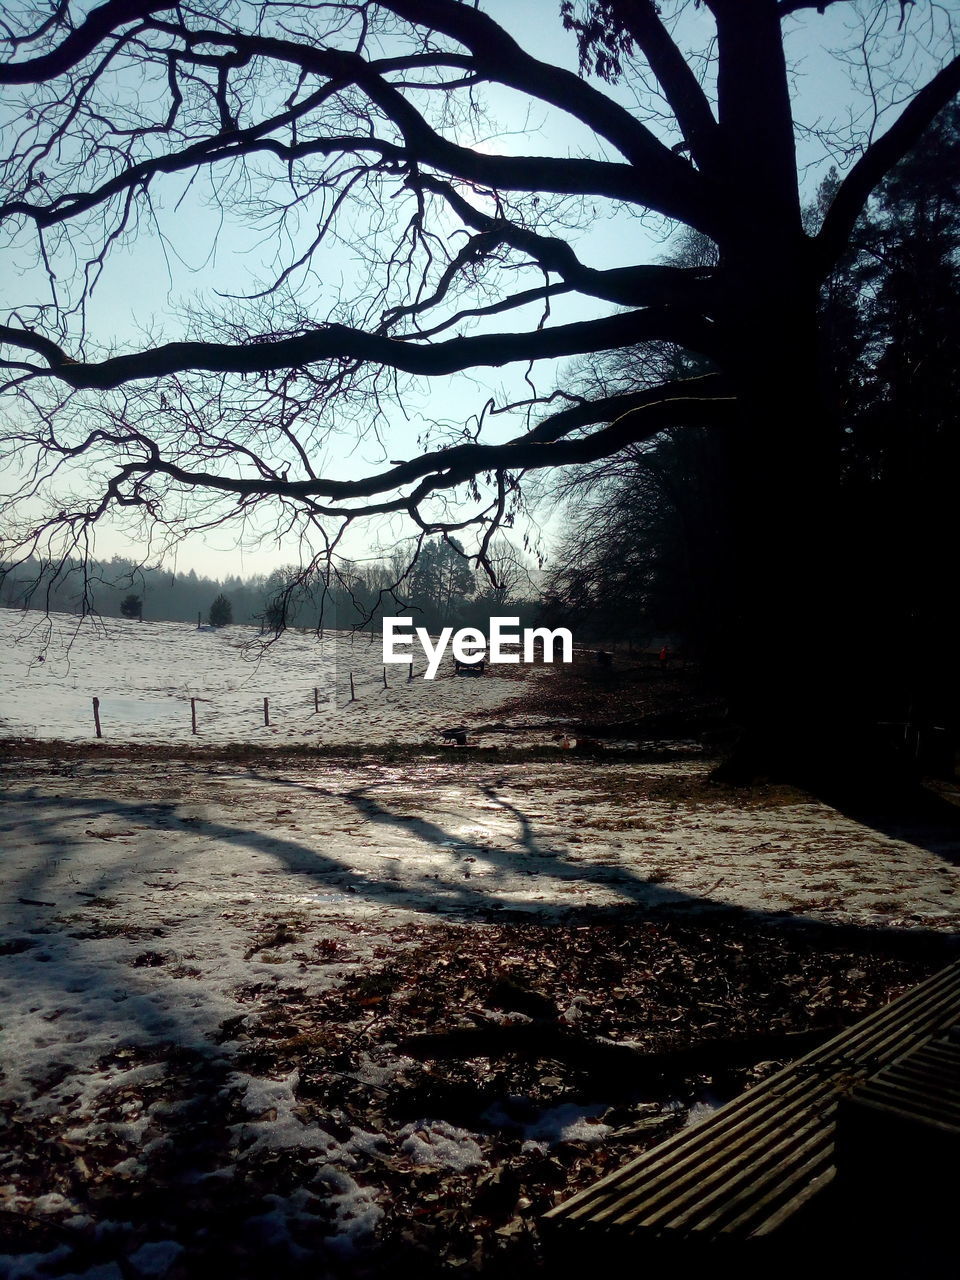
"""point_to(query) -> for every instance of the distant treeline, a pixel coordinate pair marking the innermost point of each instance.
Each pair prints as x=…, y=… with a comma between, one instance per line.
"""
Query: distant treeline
x=442, y=588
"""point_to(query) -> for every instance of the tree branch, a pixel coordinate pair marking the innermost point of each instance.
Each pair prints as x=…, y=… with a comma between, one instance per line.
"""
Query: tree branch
x=877, y=161
x=100, y=23
x=641, y=285
x=786, y=7
x=675, y=76
x=711, y=386
x=242, y=142
x=29, y=341
x=499, y=57
x=654, y=177
x=447, y=468
x=338, y=342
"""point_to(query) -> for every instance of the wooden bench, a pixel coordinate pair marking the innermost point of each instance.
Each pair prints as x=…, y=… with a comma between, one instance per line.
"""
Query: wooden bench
x=742, y=1185
x=468, y=668
x=915, y=1100
x=898, y=1130
x=897, y=1154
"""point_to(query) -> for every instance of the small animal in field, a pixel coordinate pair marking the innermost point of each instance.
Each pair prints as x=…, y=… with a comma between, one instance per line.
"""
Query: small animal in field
x=457, y=735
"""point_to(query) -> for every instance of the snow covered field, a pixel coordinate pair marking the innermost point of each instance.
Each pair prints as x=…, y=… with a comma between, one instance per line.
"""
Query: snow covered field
x=145, y=674
x=207, y=968
x=193, y=955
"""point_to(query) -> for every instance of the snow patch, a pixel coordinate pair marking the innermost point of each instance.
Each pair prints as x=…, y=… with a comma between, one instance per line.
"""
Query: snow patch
x=434, y=1142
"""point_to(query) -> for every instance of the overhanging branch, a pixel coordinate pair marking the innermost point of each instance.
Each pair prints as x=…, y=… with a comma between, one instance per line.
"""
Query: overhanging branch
x=667, y=406
x=680, y=86
x=502, y=59
x=878, y=160
x=338, y=342
x=98, y=25
x=642, y=285
x=712, y=387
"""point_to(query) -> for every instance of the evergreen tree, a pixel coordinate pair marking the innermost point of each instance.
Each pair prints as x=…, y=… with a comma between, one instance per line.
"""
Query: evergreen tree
x=893, y=313
x=441, y=581
x=221, y=612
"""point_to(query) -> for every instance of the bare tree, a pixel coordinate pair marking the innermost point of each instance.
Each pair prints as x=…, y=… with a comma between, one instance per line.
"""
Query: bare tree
x=357, y=121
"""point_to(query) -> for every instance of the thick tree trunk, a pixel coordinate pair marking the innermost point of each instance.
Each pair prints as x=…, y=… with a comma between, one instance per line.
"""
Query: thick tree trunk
x=787, y=642
x=783, y=646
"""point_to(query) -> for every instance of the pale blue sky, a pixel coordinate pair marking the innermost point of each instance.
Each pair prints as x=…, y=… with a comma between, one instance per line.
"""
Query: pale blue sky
x=194, y=248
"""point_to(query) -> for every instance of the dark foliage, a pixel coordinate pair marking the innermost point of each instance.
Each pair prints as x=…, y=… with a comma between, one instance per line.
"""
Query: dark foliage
x=643, y=556
x=221, y=612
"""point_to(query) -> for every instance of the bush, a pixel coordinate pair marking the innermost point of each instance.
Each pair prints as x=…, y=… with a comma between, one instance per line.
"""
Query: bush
x=132, y=606
x=221, y=612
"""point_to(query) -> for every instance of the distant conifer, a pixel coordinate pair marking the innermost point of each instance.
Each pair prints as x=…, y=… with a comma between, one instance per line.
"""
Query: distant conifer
x=221, y=612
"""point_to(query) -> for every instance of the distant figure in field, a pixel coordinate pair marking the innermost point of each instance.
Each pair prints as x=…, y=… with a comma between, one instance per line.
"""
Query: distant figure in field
x=604, y=659
x=664, y=658
x=457, y=735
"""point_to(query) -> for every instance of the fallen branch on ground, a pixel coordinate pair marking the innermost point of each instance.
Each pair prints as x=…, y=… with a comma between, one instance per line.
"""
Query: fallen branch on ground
x=608, y=1058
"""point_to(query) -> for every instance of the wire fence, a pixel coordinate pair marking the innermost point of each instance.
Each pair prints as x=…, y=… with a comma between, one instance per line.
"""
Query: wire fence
x=360, y=685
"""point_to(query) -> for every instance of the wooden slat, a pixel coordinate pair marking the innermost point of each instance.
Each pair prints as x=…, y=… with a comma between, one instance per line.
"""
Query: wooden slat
x=921, y=1086
x=743, y=1171
x=773, y=1103
x=862, y=1039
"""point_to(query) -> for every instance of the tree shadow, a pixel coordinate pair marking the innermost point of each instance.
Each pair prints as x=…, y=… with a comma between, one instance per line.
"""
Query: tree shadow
x=913, y=814
x=144, y=1131
x=472, y=895
x=643, y=895
x=184, y=1191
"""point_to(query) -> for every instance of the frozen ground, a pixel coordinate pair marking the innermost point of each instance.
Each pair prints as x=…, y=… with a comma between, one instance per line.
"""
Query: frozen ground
x=205, y=967
x=145, y=674
x=150, y=907
x=195, y=855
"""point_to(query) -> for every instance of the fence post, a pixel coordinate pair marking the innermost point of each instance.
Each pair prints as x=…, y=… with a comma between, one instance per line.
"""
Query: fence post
x=198, y=621
x=193, y=714
x=384, y=677
x=353, y=696
x=266, y=712
x=316, y=699
x=410, y=676
x=96, y=716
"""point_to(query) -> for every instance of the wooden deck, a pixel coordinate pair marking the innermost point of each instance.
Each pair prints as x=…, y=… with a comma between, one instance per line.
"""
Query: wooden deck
x=740, y=1182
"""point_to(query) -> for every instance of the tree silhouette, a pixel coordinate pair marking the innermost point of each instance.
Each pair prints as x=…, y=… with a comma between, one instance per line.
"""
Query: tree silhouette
x=221, y=612
x=441, y=579
x=893, y=309
x=362, y=117
x=131, y=606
